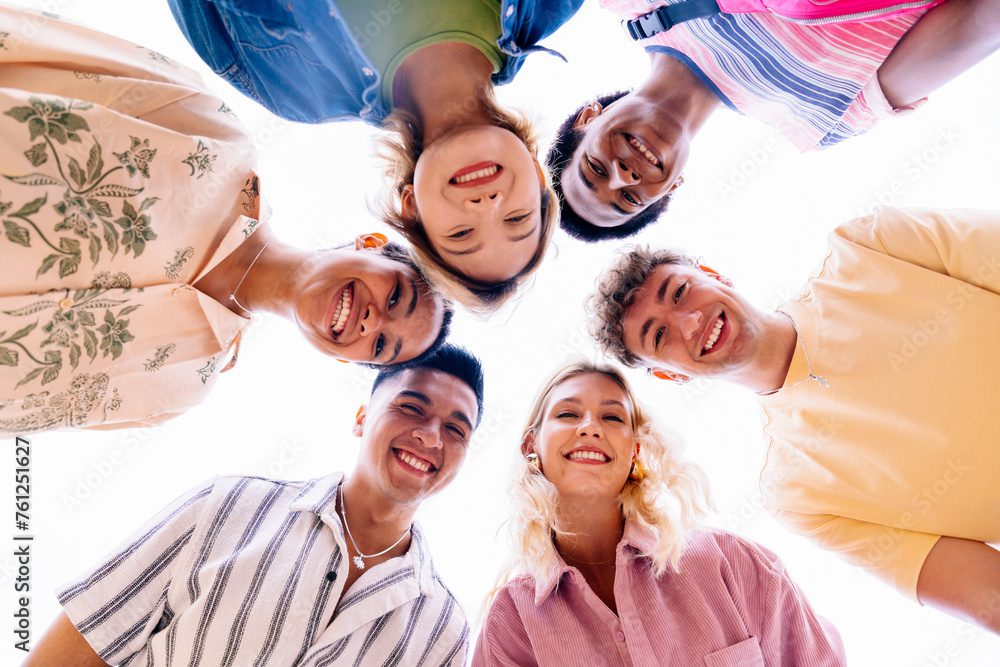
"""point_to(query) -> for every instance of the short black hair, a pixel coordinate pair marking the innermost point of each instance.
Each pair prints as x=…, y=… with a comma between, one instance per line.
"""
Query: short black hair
x=398, y=253
x=566, y=142
x=451, y=359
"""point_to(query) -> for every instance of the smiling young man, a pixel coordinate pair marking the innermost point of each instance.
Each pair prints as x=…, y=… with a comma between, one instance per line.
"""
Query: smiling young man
x=879, y=385
x=616, y=160
x=331, y=571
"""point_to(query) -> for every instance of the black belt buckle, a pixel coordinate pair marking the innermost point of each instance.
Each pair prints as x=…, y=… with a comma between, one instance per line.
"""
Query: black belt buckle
x=649, y=24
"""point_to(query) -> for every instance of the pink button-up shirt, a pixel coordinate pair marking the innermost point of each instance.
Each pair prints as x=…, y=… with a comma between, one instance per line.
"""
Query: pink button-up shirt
x=732, y=603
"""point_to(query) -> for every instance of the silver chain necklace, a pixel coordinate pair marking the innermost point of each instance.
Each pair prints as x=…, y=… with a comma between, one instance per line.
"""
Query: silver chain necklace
x=232, y=297
x=798, y=341
x=359, y=560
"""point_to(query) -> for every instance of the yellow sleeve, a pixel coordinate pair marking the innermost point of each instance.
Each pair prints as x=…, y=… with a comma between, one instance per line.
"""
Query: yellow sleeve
x=963, y=244
x=893, y=555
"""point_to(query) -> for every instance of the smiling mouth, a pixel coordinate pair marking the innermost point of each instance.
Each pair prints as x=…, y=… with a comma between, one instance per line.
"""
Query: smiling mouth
x=476, y=174
x=718, y=335
x=587, y=456
x=414, y=463
x=644, y=151
x=342, y=312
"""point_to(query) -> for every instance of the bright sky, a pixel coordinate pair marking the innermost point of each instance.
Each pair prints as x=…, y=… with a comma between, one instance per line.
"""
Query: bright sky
x=751, y=206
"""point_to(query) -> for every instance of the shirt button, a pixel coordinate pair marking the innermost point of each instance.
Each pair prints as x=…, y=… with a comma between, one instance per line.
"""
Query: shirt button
x=331, y=576
x=510, y=10
x=367, y=71
x=65, y=303
x=620, y=636
x=514, y=48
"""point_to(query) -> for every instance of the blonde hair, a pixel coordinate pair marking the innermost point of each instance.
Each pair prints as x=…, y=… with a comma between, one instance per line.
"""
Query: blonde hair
x=670, y=500
x=400, y=149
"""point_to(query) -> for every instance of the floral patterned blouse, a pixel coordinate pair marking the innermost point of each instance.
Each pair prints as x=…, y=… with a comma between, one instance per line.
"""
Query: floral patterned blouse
x=122, y=182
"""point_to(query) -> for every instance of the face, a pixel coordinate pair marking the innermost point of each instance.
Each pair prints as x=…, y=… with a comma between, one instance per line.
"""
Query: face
x=478, y=196
x=631, y=154
x=688, y=320
x=586, y=440
x=415, y=432
x=361, y=306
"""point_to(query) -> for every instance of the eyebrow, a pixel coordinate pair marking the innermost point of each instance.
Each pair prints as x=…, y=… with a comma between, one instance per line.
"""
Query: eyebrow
x=415, y=394
x=662, y=292
x=413, y=298
x=467, y=251
x=590, y=186
x=460, y=416
x=395, y=351
x=523, y=236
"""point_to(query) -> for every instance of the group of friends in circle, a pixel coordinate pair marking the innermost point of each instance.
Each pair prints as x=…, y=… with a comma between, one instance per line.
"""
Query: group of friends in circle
x=138, y=248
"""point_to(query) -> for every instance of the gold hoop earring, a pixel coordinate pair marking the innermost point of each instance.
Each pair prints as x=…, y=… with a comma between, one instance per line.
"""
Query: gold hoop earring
x=534, y=462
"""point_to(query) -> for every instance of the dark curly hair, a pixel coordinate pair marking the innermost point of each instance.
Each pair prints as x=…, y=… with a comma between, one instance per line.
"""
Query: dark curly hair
x=566, y=142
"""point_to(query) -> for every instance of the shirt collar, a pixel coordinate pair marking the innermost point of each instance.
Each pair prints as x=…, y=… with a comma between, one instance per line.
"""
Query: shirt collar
x=320, y=498
x=638, y=541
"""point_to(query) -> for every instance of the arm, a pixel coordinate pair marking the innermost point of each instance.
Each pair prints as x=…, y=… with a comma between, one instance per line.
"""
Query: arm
x=779, y=614
x=63, y=646
x=503, y=641
x=962, y=578
x=963, y=244
x=945, y=42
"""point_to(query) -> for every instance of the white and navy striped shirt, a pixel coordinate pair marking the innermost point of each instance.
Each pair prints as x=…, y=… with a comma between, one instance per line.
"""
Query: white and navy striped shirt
x=249, y=571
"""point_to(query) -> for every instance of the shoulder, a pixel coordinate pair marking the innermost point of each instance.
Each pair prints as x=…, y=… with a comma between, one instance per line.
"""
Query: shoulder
x=712, y=546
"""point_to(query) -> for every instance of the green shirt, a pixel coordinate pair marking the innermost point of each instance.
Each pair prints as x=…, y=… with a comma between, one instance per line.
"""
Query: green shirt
x=390, y=30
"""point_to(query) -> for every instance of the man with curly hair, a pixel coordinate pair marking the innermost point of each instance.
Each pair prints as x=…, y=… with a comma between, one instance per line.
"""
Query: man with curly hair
x=878, y=382
x=617, y=159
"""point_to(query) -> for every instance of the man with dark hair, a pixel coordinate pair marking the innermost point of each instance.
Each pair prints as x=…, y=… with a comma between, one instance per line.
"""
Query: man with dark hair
x=879, y=384
x=818, y=84
x=331, y=571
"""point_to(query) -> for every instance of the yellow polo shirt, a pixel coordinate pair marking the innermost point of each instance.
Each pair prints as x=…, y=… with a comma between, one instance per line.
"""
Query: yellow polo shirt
x=895, y=440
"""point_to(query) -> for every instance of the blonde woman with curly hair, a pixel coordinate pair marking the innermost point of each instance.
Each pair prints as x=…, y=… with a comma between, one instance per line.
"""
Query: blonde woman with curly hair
x=610, y=567
x=467, y=190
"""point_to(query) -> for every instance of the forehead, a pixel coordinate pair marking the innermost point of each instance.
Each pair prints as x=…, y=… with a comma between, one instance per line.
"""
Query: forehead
x=589, y=388
x=444, y=390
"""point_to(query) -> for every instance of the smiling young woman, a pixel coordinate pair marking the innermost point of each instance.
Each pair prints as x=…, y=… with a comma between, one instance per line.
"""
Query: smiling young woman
x=609, y=566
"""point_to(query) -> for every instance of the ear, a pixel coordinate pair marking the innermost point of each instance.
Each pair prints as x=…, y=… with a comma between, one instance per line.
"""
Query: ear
x=359, y=422
x=528, y=444
x=587, y=114
x=712, y=273
x=408, y=203
x=372, y=240
x=670, y=376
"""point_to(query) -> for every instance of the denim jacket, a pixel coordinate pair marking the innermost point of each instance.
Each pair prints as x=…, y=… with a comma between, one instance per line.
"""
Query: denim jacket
x=300, y=60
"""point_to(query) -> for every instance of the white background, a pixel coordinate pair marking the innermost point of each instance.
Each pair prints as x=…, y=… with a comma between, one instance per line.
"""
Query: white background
x=751, y=206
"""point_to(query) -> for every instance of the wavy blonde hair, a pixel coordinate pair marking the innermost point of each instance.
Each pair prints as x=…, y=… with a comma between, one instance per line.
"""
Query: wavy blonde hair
x=400, y=148
x=670, y=500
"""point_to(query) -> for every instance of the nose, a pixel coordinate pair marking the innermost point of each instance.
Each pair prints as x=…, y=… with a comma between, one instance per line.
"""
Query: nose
x=485, y=200
x=371, y=320
x=689, y=324
x=622, y=174
x=429, y=434
x=589, y=428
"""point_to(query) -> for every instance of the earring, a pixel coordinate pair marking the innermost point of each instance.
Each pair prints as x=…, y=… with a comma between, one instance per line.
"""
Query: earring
x=534, y=462
x=637, y=473
x=677, y=378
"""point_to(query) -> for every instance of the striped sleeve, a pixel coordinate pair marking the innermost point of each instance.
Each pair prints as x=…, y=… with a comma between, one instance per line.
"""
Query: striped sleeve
x=117, y=605
x=777, y=611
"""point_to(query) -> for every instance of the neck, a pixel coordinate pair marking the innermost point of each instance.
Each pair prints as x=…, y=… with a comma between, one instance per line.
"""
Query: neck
x=267, y=277
x=677, y=92
x=592, y=536
x=375, y=520
x=449, y=71
x=769, y=370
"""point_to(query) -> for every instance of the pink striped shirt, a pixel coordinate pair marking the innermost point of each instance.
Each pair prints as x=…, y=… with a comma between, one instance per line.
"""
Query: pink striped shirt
x=816, y=84
x=732, y=603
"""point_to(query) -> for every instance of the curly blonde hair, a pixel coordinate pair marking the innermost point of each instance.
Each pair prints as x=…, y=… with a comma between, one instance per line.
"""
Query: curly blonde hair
x=670, y=500
x=400, y=148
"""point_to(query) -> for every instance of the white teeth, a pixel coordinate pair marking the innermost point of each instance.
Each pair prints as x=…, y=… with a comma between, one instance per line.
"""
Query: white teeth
x=714, y=335
x=482, y=173
x=588, y=455
x=648, y=154
x=339, y=320
x=420, y=465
